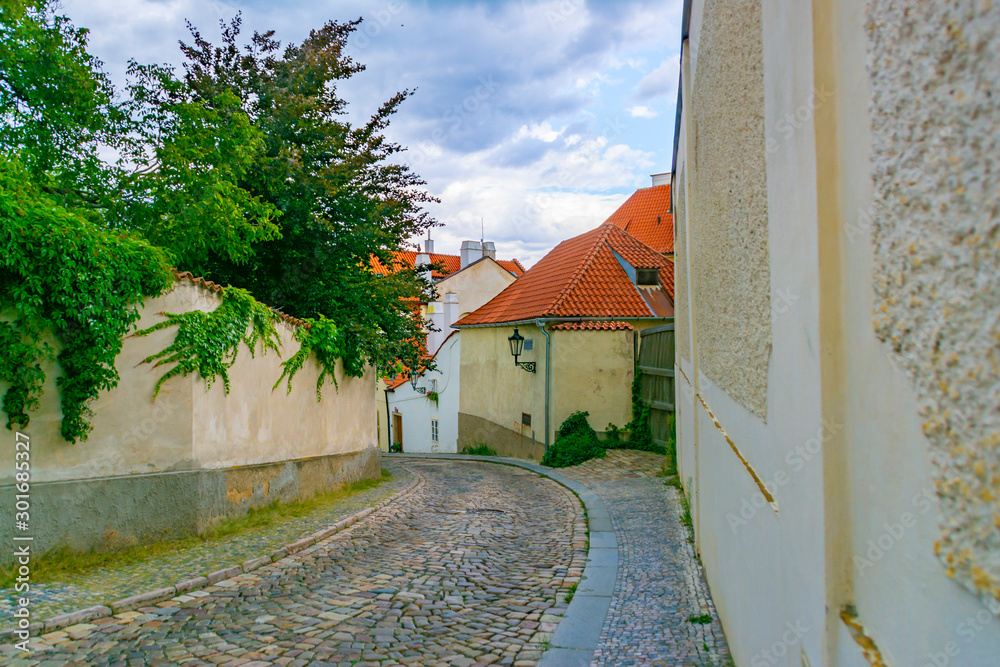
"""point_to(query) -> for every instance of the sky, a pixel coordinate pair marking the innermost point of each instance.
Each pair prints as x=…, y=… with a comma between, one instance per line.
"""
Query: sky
x=534, y=119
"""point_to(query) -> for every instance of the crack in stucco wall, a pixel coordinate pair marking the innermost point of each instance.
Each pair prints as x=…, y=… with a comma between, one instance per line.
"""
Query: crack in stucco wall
x=934, y=70
x=728, y=245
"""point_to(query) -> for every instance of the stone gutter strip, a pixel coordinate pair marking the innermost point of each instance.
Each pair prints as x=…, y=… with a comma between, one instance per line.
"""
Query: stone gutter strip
x=161, y=594
x=579, y=632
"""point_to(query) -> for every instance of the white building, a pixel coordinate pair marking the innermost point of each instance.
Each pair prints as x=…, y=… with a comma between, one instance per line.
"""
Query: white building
x=419, y=423
x=406, y=416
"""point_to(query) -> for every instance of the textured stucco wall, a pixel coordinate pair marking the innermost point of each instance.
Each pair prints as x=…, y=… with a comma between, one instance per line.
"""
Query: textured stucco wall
x=680, y=270
x=728, y=237
x=934, y=71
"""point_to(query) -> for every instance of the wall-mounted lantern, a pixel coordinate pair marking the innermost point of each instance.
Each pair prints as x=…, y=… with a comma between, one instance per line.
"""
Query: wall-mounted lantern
x=413, y=383
x=516, y=347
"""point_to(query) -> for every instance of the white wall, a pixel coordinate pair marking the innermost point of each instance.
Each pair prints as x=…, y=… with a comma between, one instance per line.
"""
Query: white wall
x=842, y=451
x=417, y=410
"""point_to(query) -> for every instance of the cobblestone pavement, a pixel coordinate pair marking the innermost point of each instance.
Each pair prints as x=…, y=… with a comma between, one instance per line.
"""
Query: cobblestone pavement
x=102, y=585
x=469, y=568
x=660, y=583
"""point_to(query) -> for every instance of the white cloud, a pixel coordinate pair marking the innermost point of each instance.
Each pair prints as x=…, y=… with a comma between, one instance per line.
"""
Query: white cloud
x=661, y=81
x=521, y=114
x=642, y=111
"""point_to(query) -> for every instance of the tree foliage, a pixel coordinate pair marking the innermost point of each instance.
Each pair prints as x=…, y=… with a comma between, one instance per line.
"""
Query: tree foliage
x=342, y=195
x=66, y=284
x=239, y=167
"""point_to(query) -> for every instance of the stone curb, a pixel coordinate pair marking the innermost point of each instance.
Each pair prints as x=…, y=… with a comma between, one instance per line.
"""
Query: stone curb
x=575, y=639
x=159, y=595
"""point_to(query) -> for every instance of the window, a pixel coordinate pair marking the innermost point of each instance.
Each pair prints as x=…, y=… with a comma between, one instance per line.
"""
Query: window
x=529, y=345
x=525, y=419
x=434, y=430
x=434, y=385
x=648, y=277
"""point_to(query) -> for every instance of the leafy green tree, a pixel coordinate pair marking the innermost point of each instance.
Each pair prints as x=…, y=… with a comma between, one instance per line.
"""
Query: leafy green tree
x=343, y=197
x=56, y=105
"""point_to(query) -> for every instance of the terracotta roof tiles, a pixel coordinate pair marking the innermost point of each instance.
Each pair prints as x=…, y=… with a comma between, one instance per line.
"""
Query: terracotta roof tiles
x=583, y=277
x=593, y=326
x=646, y=216
x=450, y=263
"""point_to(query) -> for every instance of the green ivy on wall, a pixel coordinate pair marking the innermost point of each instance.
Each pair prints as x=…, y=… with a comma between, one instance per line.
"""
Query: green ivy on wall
x=207, y=342
x=322, y=338
x=66, y=284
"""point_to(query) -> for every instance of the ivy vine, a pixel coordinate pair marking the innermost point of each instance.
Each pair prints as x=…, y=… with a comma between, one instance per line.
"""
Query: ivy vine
x=328, y=342
x=207, y=342
x=66, y=284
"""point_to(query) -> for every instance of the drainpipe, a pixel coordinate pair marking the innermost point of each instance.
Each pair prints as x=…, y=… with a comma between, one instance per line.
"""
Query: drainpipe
x=548, y=357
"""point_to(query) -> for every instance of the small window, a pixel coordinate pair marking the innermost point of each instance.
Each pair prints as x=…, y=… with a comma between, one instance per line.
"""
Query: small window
x=648, y=277
x=529, y=345
x=434, y=385
x=434, y=430
x=525, y=419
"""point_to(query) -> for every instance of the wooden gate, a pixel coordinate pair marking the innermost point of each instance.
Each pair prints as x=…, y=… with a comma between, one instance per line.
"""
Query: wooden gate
x=656, y=362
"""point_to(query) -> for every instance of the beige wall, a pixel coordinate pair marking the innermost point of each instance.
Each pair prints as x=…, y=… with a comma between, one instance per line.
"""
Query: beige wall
x=189, y=427
x=475, y=285
x=590, y=371
x=496, y=390
x=854, y=447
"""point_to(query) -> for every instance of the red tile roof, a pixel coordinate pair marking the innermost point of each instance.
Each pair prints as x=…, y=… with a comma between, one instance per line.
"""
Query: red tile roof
x=592, y=326
x=646, y=216
x=582, y=277
x=451, y=264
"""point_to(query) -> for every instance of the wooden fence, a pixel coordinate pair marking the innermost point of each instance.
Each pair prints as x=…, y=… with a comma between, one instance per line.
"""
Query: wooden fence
x=656, y=362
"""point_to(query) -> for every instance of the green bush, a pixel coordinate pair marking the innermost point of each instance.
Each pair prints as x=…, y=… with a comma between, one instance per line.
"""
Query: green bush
x=575, y=443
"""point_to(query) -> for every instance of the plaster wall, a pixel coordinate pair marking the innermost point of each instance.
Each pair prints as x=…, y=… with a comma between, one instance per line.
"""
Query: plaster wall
x=134, y=466
x=856, y=438
x=682, y=328
x=494, y=389
x=935, y=236
x=475, y=285
x=593, y=371
x=729, y=253
x=417, y=410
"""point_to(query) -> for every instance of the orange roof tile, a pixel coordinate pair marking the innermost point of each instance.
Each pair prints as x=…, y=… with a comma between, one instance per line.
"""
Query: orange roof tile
x=451, y=264
x=593, y=326
x=646, y=216
x=582, y=277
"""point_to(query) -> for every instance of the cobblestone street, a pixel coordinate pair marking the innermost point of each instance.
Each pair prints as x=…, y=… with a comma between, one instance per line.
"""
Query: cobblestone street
x=472, y=566
x=660, y=585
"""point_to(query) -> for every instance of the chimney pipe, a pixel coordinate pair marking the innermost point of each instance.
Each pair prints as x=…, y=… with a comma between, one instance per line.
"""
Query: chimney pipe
x=661, y=178
x=471, y=251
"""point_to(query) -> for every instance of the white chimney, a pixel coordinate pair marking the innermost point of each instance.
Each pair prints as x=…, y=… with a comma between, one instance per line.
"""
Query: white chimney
x=450, y=311
x=435, y=313
x=661, y=179
x=471, y=252
x=429, y=246
x=489, y=250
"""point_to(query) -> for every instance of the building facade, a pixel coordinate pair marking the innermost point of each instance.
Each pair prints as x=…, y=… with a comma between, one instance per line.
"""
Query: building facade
x=837, y=323
x=579, y=310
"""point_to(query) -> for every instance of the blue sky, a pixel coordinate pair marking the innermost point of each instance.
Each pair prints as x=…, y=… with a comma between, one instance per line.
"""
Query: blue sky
x=538, y=117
